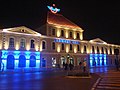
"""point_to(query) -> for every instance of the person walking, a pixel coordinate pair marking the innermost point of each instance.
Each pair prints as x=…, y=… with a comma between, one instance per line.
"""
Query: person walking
x=80, y=65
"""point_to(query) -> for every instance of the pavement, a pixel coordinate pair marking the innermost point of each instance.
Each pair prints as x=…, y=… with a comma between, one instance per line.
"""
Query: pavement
x=49, y=79
x=32, y=70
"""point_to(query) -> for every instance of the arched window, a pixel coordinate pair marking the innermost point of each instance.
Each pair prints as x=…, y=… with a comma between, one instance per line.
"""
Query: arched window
x=78, y=47
x=102, y=50
x=70, y=34
x=10, y=62
x=32, y=61
x=43, y=45
x=93, y=50
x=70, y=46
x=22, y=43
x=62, y=33
x=53, y=45
x=22, y=61
x=98, y=50
x=32, y=44
x=78, y=35
x=11, y=42
x=62, y=46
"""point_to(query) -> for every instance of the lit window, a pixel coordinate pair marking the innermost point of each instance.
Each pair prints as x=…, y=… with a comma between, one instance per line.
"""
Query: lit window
x=22, y=43
x=32, y=44
x=43, y=63
x=11, y=42
x=53, y=62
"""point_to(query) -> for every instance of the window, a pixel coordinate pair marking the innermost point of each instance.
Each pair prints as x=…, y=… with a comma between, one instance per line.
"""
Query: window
x=106, y=50
x=53, y=31
x=53, y=62
x=32, y=44
x=78, y=47
x=22, y=43
x=62, y=46
x=70, y=46
x=102, y=50
x=98, y=50
x=110, y=51
x=43, y=62
x=78, y=36
x=70, y=34
x=93, y=50
x=43, y=44
x=22, y=30
x=53, y=45
x=84, y=49
x=62, y=33
x=22, y=61
x=11, y=42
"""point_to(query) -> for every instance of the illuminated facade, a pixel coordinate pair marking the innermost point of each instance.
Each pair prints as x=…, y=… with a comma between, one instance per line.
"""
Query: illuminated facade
x=58, y=41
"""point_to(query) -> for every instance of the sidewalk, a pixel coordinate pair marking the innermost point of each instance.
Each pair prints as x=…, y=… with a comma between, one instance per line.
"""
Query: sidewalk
x=102, y=69
x=32, y=70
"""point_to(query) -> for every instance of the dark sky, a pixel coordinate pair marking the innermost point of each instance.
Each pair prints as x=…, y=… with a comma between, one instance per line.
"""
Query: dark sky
x=98, y=18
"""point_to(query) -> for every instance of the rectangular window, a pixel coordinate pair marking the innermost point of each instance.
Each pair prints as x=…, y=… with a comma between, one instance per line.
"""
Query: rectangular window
x=53, y=31
x=22, y=43
x=11, y=42
x=78, y=36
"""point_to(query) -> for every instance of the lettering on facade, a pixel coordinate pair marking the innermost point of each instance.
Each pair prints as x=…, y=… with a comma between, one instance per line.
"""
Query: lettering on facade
x=66, y=41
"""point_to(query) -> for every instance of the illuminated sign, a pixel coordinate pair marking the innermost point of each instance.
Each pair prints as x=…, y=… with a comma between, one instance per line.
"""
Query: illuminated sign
x=66, y=41
x=53, y=9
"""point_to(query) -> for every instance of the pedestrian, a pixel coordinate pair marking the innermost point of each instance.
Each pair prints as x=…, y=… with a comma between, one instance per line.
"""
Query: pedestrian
x=71, y=66
x=84, y=66
x=63, y=64
x=66, y=66
x=80, y=64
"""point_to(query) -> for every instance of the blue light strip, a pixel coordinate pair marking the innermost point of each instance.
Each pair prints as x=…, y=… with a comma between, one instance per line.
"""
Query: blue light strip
x=66, y=41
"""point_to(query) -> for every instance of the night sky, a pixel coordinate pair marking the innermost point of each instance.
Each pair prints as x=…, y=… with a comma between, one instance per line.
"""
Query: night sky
x=98, y=18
